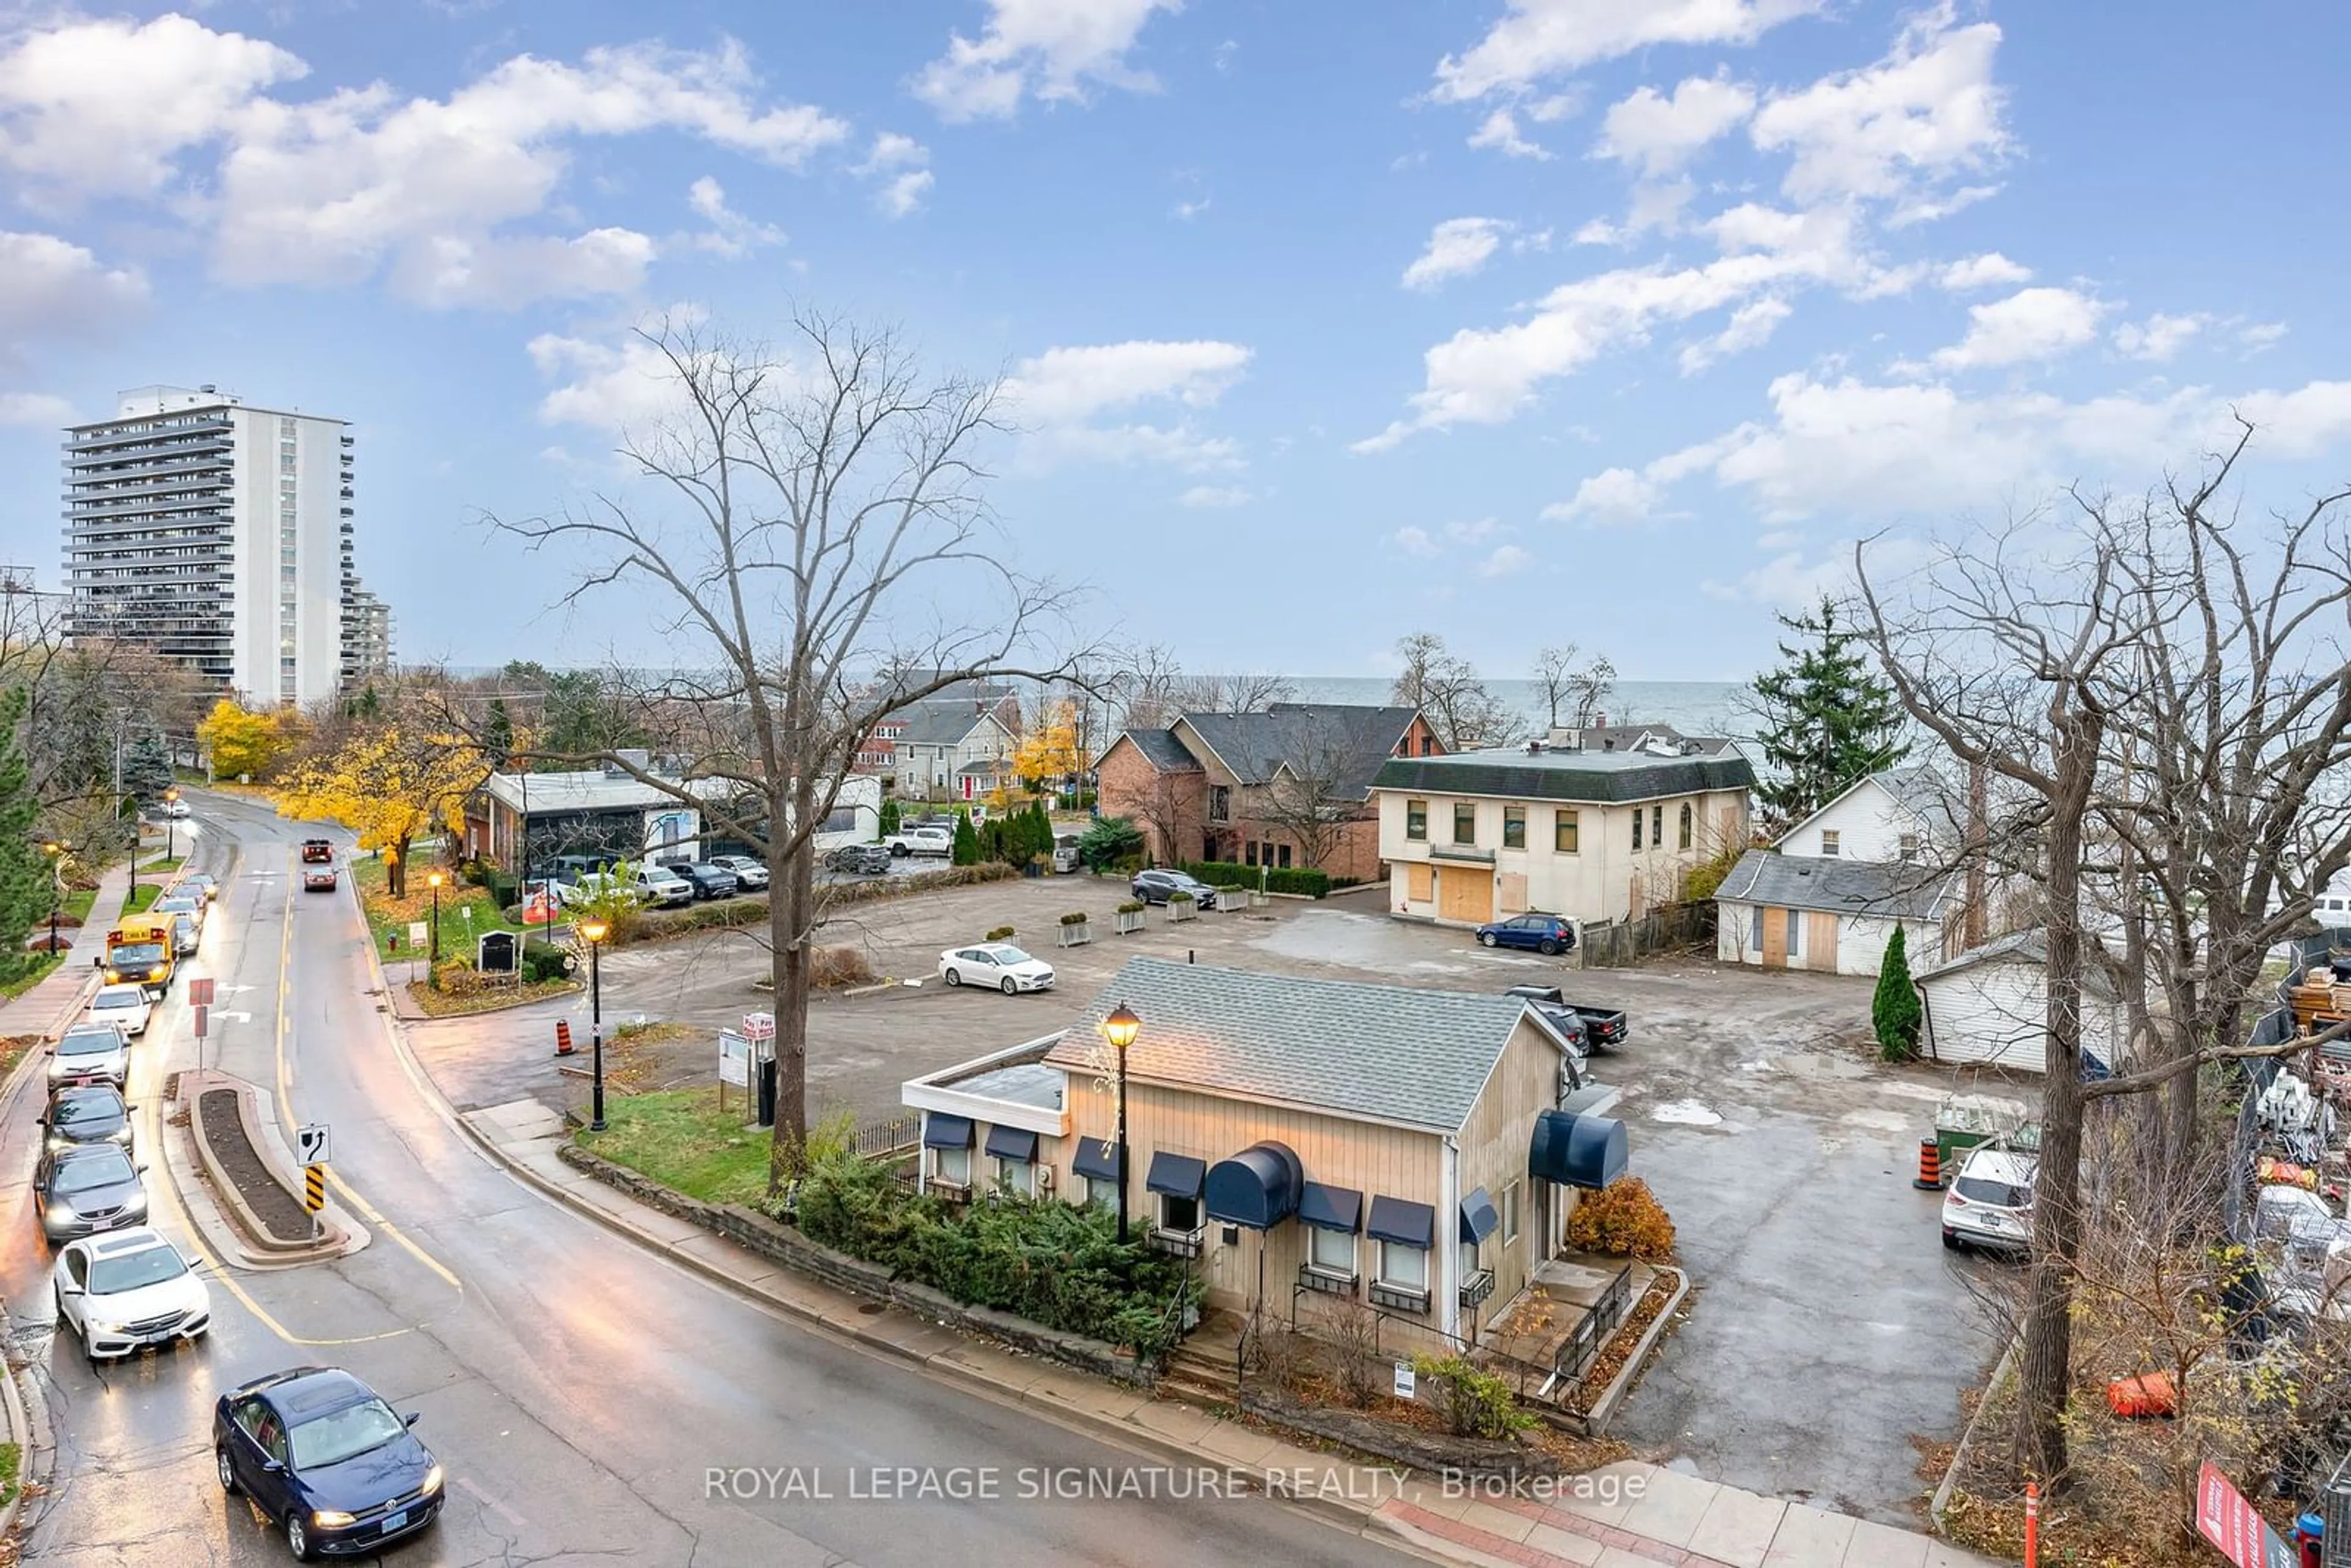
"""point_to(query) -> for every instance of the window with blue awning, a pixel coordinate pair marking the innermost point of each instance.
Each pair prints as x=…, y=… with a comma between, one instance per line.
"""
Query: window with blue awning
x=1406, y=1224
x=1096, y=1160
x=941, y=1131
x=1330, y=1207
x=1012, y=1143
x=1177, y=1175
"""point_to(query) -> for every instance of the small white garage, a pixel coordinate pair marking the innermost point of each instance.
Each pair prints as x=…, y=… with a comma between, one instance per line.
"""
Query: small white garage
x=1990, y=1005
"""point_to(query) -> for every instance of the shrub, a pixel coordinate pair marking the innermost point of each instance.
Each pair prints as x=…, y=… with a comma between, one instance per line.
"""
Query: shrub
x=1076, y=917
x=1132, y=906
x=544, y=961
x=1477, y=1404
x=718, y=915
x=1278, y=879
x=504, y=889
x=889, y=816
x=1180, y=896
x=1622, y=1219
x=831, y=969
x=1001, y=933
x=1108, y=840
x=1895, y=1011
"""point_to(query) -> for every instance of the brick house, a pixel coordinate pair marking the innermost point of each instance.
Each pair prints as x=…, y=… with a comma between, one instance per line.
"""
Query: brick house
x=1288, y=787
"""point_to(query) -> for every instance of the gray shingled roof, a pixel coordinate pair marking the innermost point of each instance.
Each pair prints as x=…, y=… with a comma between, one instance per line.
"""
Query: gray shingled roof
x=1343, y=743
x=1604, y=777
x=1387, y=1054
x=938, y=721
x=1164, y=751
x=2029, y=945
x=1839, y=886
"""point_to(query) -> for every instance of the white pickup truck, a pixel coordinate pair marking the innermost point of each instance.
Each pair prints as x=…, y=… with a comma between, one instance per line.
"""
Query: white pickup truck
x=922, y=841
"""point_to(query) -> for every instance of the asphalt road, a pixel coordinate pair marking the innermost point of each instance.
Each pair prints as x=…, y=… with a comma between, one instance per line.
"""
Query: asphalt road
x=578, y=1390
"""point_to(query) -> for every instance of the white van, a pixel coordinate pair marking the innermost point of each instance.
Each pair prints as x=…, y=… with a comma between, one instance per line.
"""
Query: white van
x=2333, y=911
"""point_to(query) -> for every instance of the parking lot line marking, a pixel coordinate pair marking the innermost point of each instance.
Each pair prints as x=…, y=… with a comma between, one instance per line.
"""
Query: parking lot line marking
x=367, y=1211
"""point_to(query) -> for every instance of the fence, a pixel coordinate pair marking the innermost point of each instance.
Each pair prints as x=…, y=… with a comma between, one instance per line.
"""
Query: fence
x=1584, y=1341
x=1617, y=943
x=884, y=1139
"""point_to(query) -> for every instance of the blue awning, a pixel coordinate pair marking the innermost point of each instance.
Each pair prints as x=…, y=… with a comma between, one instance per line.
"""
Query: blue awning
x=1257, y=1187
x=1011, y=1144
x=941, y=1131
x=1578, y=1150
x=1479, y=1219
x=1406, y=1224
x=1177, y=1175
x=1330, y=1207
x=1097, y=1160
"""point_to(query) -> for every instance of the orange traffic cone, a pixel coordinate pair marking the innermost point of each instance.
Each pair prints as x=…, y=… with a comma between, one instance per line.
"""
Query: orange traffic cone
x=1931, y=1167
x=563, y=1037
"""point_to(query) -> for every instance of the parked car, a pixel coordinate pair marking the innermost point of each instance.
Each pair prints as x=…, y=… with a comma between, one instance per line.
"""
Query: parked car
x=1990, y=1200
x=1605, y=1027
x=186, y=935
x=205, y=883
x=182, y=901
x=84, y=1191
x=862, y=860
x=1158, y=886
x=125, y=1007
x=922, y=841
x=90, y=1053
x=87, y=1114
x=1000, y=964
x=127, y=1289
x=661, y=886
x=710, y=880
x=1549, y=935
x=317, y=850
x=750, y=874
x=321, y=1453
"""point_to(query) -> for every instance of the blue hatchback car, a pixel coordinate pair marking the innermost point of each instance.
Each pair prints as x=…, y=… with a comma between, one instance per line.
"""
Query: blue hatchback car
x=326, y=1458
x=1549, y=935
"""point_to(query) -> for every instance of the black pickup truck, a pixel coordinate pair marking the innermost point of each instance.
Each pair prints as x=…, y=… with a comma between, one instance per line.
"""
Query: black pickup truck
x=1604, y=1028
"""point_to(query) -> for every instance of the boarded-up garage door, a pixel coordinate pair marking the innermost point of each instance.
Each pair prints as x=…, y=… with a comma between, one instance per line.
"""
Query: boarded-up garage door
x=1464, y=894
x=1821, y=942
x=1775, y=938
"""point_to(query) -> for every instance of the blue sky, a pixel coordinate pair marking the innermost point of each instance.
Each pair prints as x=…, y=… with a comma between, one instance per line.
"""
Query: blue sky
x=1517, y=320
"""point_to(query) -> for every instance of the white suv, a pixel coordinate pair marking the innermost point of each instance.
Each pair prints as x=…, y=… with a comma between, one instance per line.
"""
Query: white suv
x=1990, y=1200
x=658, y=885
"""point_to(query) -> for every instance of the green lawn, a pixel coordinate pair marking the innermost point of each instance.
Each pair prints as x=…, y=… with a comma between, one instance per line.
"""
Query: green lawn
x=680, y=1139
x=386, y=915
x=142, y=897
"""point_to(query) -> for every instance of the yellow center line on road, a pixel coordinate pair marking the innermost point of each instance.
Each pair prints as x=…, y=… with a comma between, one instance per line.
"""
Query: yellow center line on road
x=286, y=1098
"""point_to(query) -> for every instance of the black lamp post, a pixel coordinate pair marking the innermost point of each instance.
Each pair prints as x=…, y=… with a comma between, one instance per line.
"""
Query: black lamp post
x=1120, y=1029
x=56, y=850
x=432, y=881
x=592, y=932
x=170, y=824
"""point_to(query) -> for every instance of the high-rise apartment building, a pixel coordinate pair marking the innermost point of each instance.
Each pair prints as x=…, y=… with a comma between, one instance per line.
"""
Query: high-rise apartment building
x=219, y=535
x=367, y=636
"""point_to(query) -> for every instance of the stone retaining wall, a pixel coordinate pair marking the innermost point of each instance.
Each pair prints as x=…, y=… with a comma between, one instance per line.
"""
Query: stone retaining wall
x=1435, y=1452
x=755, y=1231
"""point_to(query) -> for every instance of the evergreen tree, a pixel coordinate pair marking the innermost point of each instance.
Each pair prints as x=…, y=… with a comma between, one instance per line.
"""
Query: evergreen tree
x=890, y=818
x=967, y=843
x=27, y=882
x=1109, y=839
x=1895, y=1011
x=1826, y=717
x=497, y=734
x=146, y=768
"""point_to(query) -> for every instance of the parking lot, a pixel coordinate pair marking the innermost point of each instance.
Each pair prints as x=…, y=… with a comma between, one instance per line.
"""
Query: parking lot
x=1829, y=1328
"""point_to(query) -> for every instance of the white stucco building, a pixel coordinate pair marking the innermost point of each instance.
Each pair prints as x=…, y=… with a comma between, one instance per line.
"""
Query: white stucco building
x=218, y=535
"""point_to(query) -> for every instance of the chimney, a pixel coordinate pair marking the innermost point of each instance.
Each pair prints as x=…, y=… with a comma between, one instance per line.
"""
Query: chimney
x=1600, y=721
x=1534, y=747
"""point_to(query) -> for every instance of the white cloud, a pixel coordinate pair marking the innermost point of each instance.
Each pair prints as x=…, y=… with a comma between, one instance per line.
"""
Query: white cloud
x=905, y=192
x=1049, y=49
x=1500, y=133
x=1214, y=498
x=611, y=387
x=1657, y=135
x=1613, y=495
x=1456, y=247
x=1536, y=39
x=52, y=287
x=1894, y=130
x=730, y=233
x=1187, y=211
x=1557, y=107
x=1989, y=270
x=902, y=162
x=1505, y=561
x=1750, y=327
x=1470, y=532
x=1414, y=542
x=2261, y=335
x=445, y=271
x=2159, y=337
x=2303, y=422
x=2030, y=324
x=105, y=108
x=39, y=409
x=1059, y=393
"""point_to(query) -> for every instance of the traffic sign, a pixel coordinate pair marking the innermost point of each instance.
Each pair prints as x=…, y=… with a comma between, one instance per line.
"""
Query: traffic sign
x=203, y=1018
x=314, y=1188
x=200, y=993
x=759, y=1025
x=312, y=1144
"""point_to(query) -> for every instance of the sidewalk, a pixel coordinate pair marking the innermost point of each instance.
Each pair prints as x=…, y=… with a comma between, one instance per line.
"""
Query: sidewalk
x=51, y=1004
x=1626, y=1515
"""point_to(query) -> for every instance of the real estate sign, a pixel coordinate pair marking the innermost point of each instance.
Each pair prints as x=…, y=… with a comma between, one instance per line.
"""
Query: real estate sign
x=733, y=1059
x=2225, y=1519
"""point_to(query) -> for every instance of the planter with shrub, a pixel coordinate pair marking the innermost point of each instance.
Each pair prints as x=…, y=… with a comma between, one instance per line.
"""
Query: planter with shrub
x=1075, y=933
x=1182, y=906
x=1001, y=933
x=1130, y=916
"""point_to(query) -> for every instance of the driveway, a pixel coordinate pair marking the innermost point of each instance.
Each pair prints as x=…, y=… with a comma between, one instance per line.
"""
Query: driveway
x=1829, y=1328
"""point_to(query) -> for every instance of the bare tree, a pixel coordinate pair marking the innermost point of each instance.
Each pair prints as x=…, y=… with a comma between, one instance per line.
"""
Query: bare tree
x=1576, y=689
x=1554, y=668
x=1446, y=689
x=817, y=502
x=2164, y=696
x=1169, y=811
x=1255, y=693
x=1589, y=687
x=1150, y=688
x=1316, y=792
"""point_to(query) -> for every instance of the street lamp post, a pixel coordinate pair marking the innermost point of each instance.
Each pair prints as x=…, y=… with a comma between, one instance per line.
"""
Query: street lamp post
x=56, y=850
x=432, y=881
x=1120, y=1029
x=592, y=932
x=170, y=824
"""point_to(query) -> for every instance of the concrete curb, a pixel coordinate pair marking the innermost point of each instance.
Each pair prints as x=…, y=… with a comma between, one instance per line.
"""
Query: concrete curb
x=26, y=1412
x=1595, y=1423
x=1942, y=1501
x=341, y=1236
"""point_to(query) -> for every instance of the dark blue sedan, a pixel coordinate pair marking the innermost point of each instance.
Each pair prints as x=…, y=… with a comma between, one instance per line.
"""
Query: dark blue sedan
x=1549, y=935
x=326, y=1458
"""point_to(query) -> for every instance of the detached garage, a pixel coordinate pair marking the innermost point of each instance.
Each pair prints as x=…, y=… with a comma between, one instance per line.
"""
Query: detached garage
x=1990, y=1005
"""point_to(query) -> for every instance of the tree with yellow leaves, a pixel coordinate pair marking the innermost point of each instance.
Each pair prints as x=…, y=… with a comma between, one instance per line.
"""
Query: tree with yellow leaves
x=390, y=785
x=243, y=743
x=1048, y=753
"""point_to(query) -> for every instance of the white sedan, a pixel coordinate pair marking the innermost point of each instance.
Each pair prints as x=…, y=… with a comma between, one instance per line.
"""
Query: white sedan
x=125, y=1289
x=997, y=964
x=124, y=1006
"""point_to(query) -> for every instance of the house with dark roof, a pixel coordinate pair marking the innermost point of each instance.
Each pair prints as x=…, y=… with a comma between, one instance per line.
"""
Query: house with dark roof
x=1832, y=915
x=1592, y=830
x=1415, y=1150
x=1287, y=786
x=946, y=747
x=1990, y=1005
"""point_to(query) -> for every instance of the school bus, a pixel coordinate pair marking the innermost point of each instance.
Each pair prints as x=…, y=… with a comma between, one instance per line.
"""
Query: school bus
x=138, y=949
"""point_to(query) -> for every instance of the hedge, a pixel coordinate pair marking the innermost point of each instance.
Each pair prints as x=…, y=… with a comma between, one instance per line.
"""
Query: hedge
x=718, y=915
x=1058, y=1264
x=543, y=961
x=1278, y=879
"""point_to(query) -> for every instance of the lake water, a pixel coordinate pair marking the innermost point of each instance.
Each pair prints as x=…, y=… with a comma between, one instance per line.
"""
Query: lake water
x=1694, y=707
